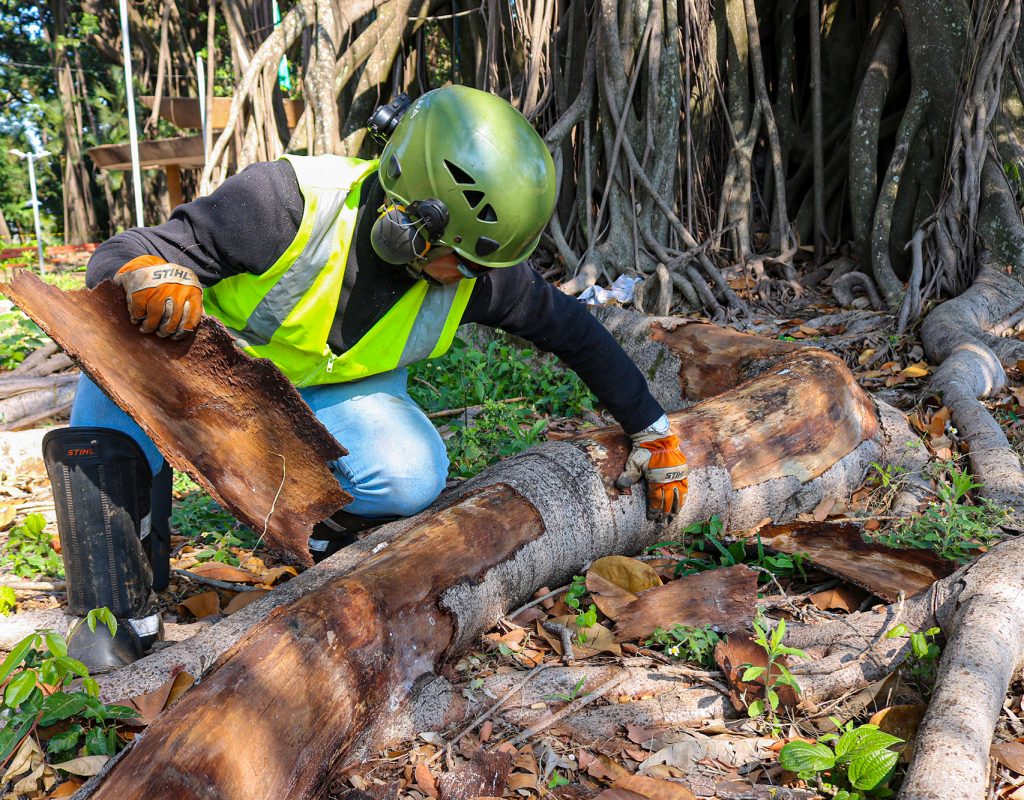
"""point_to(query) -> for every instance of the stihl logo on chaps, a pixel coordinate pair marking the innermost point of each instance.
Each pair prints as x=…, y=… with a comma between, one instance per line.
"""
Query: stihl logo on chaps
x=80, y=452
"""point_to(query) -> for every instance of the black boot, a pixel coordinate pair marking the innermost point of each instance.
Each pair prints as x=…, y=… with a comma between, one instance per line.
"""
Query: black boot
x=102, y=491
x=340, y=531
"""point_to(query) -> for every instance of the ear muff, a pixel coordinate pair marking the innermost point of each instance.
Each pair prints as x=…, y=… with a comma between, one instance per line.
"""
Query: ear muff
x=397, y=237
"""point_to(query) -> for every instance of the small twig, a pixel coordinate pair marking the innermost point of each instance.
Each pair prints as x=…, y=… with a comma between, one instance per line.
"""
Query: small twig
x=491, y=711
x=233, y=587
x=778, y=585
x=537, y=601
x=454, y=412
x=571, y=708
x=565, y=638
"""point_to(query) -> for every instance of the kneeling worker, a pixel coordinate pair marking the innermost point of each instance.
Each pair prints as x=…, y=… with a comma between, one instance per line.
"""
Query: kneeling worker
x=342, y=272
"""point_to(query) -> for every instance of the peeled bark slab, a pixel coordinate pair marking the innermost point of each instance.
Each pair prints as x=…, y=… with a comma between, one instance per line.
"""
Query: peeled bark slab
x=234, y=423
x=342, y=668
x=724, y=598
x=840, y=550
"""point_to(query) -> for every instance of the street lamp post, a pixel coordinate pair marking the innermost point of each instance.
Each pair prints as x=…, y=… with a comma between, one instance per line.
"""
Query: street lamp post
x=32, y=158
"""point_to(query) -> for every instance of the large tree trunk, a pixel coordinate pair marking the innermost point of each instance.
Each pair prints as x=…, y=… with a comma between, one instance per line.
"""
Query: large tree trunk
x=342, y=665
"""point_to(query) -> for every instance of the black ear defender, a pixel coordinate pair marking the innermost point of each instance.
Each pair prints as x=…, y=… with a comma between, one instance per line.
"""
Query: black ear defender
x=402, y=235
x=385, y=119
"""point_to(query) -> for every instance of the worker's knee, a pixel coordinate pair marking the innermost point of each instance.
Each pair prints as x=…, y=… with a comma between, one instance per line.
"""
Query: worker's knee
x=395, y=483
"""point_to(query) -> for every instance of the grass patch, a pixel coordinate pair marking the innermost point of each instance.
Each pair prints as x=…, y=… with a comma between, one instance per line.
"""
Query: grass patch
x=198, y=516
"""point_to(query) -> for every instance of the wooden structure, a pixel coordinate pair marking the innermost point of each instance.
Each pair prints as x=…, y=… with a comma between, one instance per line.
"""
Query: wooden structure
x=179, y=152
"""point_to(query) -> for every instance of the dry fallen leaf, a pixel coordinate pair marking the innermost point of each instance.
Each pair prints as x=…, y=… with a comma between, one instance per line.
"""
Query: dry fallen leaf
x=223, y=572
x=8, y=513
x=605, y=769
x=425, y=781
x=843, y=598
x=1010, y=755
x=85, y=766
x=937, y=424
x=918, y=370
x=270, y=576
x=731, y=656
x=201, y=605
x=67, y=789
x=610, y=598
x=627, y=573
x=164, y=696
x=644, y=736
x=242, y=599
x=654, y=788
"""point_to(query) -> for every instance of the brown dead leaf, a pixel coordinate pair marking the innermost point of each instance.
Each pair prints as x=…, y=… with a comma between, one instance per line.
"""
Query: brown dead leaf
x=1010, y=755
x=654, y=788
x=522, y=780
x=619, y=794
x=731, y=656
x=223, y=572
x=271, y=576
x=843, y=598
x=66, y=789
x=644, y=736
x=586, y=642
x=872, y=525
x=425, y=781
x=610, y=598
x=485, y=731
x=821, y=511
x=902, y=721
x=8, y=513
x=626, y=573
x=201, y=605
x=84, y=766
x=937, y=424
x=721, y=597
x=605, y=769
x=242, y=599
x=918, y=370
x=164, y=696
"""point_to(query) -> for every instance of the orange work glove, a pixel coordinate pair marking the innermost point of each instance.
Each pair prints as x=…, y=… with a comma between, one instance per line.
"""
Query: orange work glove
x=657, y=458
x=166, y=298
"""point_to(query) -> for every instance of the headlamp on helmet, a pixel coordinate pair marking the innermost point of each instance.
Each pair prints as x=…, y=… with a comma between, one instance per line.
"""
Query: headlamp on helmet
x=385, y=119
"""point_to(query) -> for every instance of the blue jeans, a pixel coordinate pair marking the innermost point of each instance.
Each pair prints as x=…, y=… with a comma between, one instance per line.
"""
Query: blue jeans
x=397, y=463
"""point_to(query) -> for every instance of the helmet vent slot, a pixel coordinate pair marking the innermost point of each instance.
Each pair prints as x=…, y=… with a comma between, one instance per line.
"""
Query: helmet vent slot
x=458, y=174
x=473, y=197
x=485, y=245
x=487, y=214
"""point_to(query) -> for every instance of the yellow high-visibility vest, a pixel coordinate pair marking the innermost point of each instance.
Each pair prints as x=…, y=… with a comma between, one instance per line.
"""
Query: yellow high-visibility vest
x=286, y=313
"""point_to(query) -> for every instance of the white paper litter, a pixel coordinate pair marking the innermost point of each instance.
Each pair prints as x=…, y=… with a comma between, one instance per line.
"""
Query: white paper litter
x=620, y=291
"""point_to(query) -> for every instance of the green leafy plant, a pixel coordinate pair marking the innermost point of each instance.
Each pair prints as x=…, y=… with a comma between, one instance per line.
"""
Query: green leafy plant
x=35, y=677
x=557, y=779
x=197, y=515
x=513, y=390
x=569, y=696
x=956, y=527
x=887, y=481
x=573, y=598
x=8, y=600
x=709, y=552
x=775, y=674
x=859, y=761
x=922, y=664
x=29, y=552
x=19, y=336
x=687, y=643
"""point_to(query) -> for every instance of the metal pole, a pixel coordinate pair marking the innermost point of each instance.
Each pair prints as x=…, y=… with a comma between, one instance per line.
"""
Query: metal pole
x=132, y=133
x=201, y=75
x=35, y=207
x=31, y=158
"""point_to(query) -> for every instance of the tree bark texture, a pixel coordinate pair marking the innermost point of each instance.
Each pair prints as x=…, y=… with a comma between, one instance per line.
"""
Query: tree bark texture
x=234, y=423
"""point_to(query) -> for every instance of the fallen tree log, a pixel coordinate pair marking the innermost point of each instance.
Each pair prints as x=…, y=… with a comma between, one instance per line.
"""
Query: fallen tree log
x=344, y=664
x=24, y=410
x=14, y=385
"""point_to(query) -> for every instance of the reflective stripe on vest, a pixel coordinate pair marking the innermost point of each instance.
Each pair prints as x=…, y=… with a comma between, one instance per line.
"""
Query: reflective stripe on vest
x=286, y=313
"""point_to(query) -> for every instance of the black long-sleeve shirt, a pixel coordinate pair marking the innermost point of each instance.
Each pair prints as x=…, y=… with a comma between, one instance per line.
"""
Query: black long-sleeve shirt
x=249, y=221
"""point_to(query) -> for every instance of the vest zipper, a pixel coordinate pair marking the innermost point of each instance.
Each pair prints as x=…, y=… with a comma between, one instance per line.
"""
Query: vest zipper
x=330, y=362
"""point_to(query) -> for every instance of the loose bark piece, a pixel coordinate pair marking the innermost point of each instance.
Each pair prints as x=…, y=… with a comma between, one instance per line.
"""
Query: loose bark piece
x=839, y=549
x=233, y=423
x=484, y=776
x=724, y=598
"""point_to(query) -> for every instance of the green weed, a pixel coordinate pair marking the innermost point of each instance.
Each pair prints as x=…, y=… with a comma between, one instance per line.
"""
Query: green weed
x=922, y=663
x=859, y=761
x=34, y=678
x=696, y=645
x=776, y=674
x=19, y=336
x=28, y=550
x=713, y=553
x=955, y=527
x=573, y=598
x=198, y=516
x=567, y=697
x=8, y=600
x=468, y=376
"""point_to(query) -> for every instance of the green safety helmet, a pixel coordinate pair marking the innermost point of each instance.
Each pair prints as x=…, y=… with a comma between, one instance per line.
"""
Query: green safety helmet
x=478, y=156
